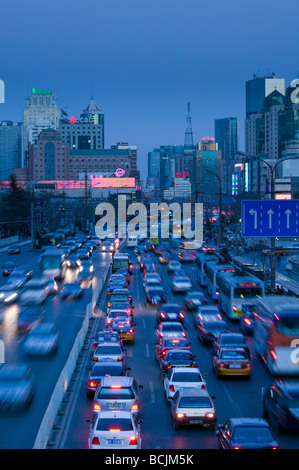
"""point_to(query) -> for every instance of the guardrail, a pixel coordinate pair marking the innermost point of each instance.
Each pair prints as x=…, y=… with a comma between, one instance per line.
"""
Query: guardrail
x=68, y=370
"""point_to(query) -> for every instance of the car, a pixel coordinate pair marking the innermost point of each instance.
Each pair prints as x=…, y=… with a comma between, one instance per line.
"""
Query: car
x=179, y=273
x=125, y=273
x=35, y=292
x=100, y=370
x=21, y=275
x=160, y=249
x=170, y=312
x=193, y=407
x=41, y=340
x=8, y=294
x=155, y=297
x=118, y=393
x=230, y=340
x=125, y=330
x=14, y=250
x=29, y=317
x=176, y=358
x=171, y=342
x=281, y=404
x=182, y=377
x=118, y=314
x=106, y=352
x=71, y=291
x=149, y=268
x=149, y=245
x=119, y=295
x=117, y=285
x=168, y=328
x=181, y=284
x=114, y=430
x=85, y=274
x=52, y=286
x=151, y=277
x=8, y=268
x=193, y=300
x=105, y=336
x=121, y=306
x=17, y=387
x=152, y=284
x=186, y=256
x=231, y=361
x=208, y=327
x=247, y=323
x=173, y=266
x=245, y=433
x=165, y=258
x=83, y=254
x=73, y=261
x=108, y=247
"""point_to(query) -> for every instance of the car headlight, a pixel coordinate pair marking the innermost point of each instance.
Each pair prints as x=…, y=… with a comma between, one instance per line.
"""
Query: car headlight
x=91, y=269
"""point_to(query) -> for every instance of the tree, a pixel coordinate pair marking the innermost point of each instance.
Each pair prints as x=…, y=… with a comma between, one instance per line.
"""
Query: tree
x=16, y=202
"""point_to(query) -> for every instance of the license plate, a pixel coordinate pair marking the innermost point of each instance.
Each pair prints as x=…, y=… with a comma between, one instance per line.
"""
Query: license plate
x=172, y=316
x=107, y=359
x=196, y=421
x=115, y=441
x=235, y=366
x=115, y=405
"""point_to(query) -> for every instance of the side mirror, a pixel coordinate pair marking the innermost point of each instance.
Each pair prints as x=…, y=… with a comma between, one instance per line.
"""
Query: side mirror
x=205, y=375
x=140, y=421
x=88, y=421
x=163, y=375
x=140, y=387
x=128, y=368
x=88, y=368
x=213, y=398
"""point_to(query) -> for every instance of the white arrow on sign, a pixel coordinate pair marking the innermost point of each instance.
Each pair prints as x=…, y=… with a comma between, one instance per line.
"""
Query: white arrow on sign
x=253, y=212
x=288, y=212
x=270, y=212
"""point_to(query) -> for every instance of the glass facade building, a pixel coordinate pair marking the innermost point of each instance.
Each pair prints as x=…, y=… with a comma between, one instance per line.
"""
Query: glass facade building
x=11, y=145
x=208, y=165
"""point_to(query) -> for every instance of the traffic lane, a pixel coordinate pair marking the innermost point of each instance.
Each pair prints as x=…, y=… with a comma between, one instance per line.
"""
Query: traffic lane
x=26, y=257
x=68, y=317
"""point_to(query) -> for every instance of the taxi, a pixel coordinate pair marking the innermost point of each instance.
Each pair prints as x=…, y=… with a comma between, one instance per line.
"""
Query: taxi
x=231, y=362
x=125, y=330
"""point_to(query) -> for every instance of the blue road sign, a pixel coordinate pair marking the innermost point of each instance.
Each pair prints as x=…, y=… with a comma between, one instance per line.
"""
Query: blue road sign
x=270, y=218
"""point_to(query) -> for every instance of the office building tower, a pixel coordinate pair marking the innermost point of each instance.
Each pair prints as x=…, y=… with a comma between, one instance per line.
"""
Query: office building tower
x=41, y=112
x=227, y=138
x=85, y=132
x=11, y=146
x=208, y=169
x=135, y=173
x=258, y=88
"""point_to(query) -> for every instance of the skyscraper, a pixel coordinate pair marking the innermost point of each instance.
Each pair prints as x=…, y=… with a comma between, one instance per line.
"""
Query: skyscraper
x=258, y=88
x=11, y=145
x=208, y=165
x=227, y=137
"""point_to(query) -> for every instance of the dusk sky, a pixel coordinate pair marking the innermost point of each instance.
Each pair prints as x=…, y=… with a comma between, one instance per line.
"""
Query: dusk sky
x=143, y=60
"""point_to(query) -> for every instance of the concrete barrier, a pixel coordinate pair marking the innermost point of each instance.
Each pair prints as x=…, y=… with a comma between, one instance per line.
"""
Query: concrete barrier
x=8, y=241
x=67, y=372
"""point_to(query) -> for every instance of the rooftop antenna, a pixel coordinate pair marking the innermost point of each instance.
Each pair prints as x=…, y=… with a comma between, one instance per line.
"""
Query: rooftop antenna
x=188, y=131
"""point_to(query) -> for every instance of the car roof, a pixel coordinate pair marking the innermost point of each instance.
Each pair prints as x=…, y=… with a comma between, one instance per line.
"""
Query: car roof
x=170, y=323
x=288, y=385
x=104, y=343
x=248, y=422
x=124, y=381
x=114, y=415
x=193, y=392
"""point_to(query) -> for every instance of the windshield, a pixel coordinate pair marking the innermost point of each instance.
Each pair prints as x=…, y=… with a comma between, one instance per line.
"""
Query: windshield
x=108, y=350
x=252, y=434
x=110, y=393
x=234, y=355
x=51, y=262
x=288, y=326
x=247, y=292
x=102, y=370
x=171, y=327
x=105, y=424
x=179, y=356
x=120, y=263
x=119, y=297
x=186, y=377
x=195, y=402
x=176, y=343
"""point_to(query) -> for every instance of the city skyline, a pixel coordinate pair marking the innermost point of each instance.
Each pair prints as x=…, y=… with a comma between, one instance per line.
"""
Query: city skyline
x=140, y=71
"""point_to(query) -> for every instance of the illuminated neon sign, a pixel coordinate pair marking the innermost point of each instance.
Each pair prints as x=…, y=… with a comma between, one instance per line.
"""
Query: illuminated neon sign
x=74, y=120
x=39, y=91
x=119, y=172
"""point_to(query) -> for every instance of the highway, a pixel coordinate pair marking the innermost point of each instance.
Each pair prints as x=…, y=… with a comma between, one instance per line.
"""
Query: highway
x=234, y=397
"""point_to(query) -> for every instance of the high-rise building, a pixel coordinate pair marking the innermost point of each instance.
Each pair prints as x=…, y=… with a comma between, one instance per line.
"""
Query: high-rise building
x=227, y=137
x=208, y=168
x=135, y=173
x=11, y=146
x=258, y=88
x=41, y=112
x=85, y=132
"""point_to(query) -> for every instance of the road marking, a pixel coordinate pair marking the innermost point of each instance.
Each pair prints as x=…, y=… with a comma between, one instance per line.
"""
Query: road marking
x=147, y=351
x=143, y=322
x=189, y=324
x=235, y=406
x=152, y=392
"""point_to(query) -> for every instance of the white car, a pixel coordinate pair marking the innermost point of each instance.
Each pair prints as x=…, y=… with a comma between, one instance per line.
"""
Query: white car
x=150, y=277
x=114, y=430
x=173, y=266
x=36, y=291
x=107, y=352
x=181, y=284
x=182, y=377
x=41, y=340
x=169, y=328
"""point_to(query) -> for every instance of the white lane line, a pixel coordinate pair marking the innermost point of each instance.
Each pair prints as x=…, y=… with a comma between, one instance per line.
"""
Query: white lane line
x=235, y=406
x=143, y=323
x=152, y=392
x=147, y=351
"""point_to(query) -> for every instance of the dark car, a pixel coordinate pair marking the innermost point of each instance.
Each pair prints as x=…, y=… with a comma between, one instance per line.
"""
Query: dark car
x=176, y=358
x=73, y=261
x=245, y=433
x=124, y=273
x=71, y=291
x=170, y=312
x=8, y=268
x=209, y=327
x=281, y=404
x=117, y=285
x=119, y=295
x=155, y=297
x=29, y=317
x=105, y=336
x=193, y=300
x=17, y=386
x=170, y=343
x=247, y=323
x=224, y=340
x=104, y=369
x=14, y=250
x=149, y=268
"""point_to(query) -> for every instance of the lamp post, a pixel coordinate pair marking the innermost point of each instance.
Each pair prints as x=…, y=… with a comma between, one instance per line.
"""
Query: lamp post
x=272, y=169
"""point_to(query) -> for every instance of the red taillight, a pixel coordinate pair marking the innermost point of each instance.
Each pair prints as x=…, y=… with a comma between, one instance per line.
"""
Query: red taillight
x=131, y=331
x=273, y=355
x=171, y=388
x=93, y=384
x=135, y=407
x=162, y=315
x=210, y=415
x=247, y=321
x=133, y=441
x=119, y=359
x=163, y=353
x=97, y=407
x=95, y=359
x=181, y=315
x=180, y=415
x=235, y=308
x=95, y=441
x=203, y=386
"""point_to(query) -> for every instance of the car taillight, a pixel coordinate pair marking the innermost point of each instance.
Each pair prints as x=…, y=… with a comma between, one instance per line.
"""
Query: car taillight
x=135, y=407
x=97, y=407
x=131, y=331
x=221, y=366
x=247, y=321
x=95, y=345
x=273, y=355
x=203, y=386
x=162, y=315
x=181, y=315
x=180, y=415
x=95, y=441
x=163, y=353
x=235, y=308
x=210, y=415
x=93, y=384
x=133, y=441
x=95, y=359
x=167, y=367
x=171, y=388
x=119, y=359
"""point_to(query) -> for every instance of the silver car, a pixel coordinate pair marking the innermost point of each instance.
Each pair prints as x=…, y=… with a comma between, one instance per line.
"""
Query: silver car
x=41, y=340
x=17, y=386
x=193, y=407
x=114, y=430
x=181, y=284
x=118, y=394
x=106, y=352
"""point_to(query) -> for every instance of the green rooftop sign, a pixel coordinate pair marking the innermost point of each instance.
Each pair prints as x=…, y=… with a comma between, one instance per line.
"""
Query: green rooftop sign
x=39, y=91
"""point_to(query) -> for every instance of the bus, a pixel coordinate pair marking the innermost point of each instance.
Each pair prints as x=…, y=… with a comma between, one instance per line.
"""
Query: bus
x=53, y=264
x=276, y=333
x=52, y=239
x=201, y=261
x=238, y=293
x=122, y=261
x=212, y=269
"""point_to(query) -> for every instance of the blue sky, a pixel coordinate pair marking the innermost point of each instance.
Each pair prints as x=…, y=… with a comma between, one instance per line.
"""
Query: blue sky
x=143, y=60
